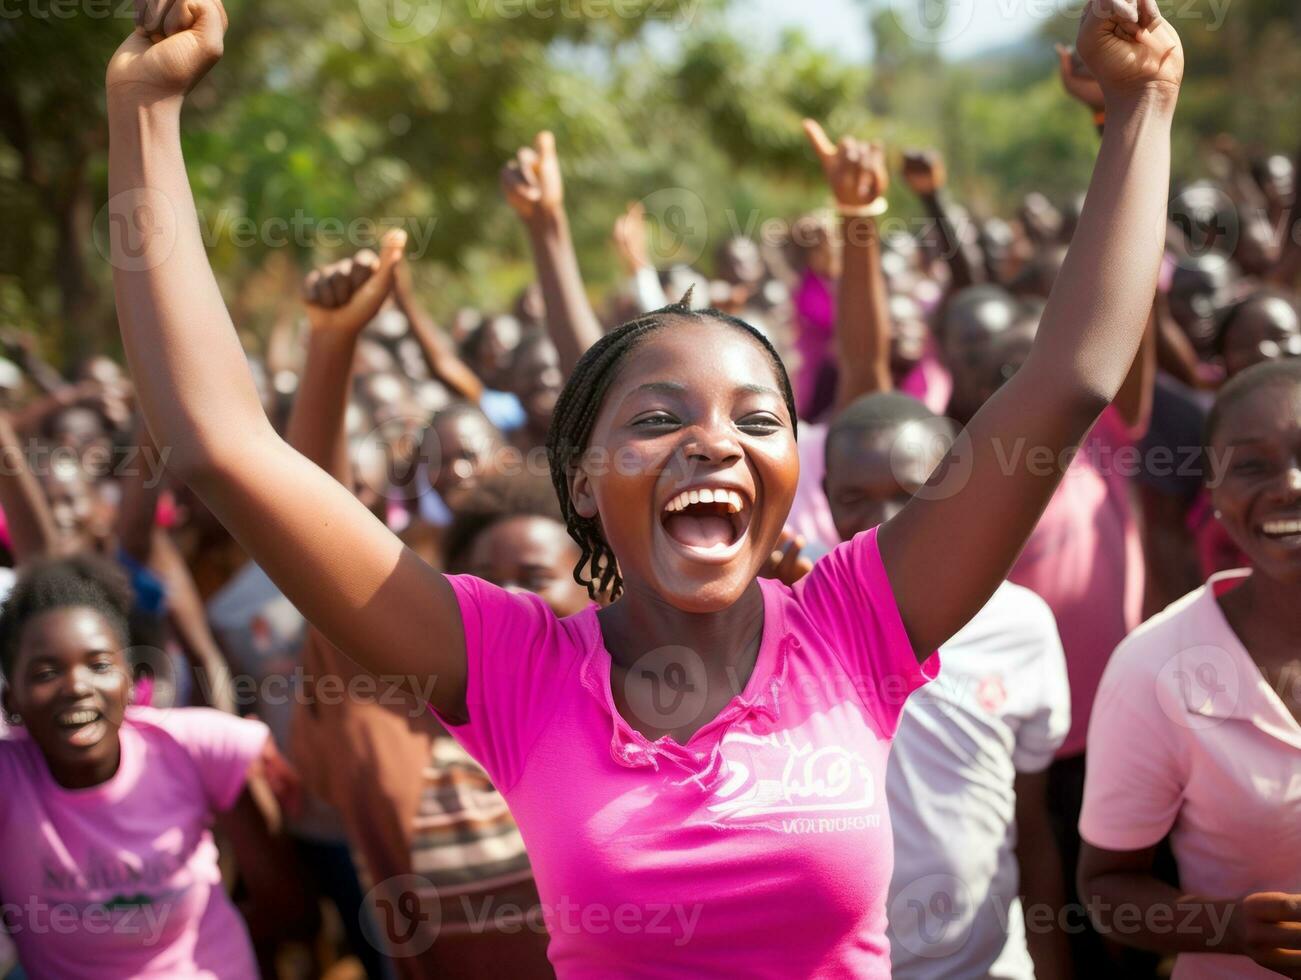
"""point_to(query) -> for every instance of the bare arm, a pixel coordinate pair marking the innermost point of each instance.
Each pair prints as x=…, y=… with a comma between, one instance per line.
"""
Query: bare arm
x=32, y=531
x=532, y=185
x=978, y=509
x=925, y=174
x=1040, y=866
x=1134, y=400
x=1266, y=927
x=334, y=560
x=442, y=360
x=858, y=178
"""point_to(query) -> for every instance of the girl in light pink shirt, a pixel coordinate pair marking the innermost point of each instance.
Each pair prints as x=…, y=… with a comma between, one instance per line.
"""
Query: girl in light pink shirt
x=1196, y=731
x=696, y=767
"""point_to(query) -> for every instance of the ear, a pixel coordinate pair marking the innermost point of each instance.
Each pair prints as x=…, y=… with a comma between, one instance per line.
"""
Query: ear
x=581, y=493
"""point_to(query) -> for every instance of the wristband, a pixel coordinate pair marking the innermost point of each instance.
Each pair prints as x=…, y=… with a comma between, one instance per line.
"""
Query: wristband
x=873, y=210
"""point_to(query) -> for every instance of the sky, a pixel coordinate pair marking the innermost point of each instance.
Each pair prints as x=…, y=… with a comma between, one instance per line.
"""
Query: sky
x=840, y=25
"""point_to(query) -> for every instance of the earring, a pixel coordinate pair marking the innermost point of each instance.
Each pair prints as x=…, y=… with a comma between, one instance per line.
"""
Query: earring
x=15, y=718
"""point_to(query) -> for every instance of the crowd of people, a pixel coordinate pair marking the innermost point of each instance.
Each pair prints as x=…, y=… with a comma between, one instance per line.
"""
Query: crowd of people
x=538, y=645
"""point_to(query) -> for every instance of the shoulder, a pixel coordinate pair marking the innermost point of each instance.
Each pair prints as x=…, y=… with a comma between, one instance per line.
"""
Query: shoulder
x=1183, y=625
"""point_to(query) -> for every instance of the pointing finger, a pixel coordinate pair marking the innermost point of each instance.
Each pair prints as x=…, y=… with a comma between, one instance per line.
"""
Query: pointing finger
x=822, y=146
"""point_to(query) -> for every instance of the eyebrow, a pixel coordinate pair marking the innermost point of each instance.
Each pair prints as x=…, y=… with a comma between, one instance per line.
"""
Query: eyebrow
x=677, y=388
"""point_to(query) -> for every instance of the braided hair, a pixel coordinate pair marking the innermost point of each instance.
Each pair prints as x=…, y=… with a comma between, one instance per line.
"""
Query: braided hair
x=580, y=403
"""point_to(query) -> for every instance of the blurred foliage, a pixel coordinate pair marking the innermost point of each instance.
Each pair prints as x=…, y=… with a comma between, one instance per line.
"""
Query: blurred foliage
x=323, y=117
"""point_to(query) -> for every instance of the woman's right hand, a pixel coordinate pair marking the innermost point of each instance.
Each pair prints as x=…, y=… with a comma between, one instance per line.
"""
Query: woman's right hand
x=174, y=44
x=1268, y=928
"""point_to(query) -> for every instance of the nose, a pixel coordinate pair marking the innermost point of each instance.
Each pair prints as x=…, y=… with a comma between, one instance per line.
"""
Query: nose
x=712, y=442
x=77, y=683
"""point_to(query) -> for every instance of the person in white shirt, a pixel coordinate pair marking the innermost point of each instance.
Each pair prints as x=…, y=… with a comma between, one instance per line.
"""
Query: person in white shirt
x=972, y=748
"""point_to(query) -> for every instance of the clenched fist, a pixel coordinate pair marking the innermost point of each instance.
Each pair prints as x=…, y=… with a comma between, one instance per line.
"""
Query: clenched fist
x=345, y=296
x=854, y=169
x=174, y=44
x=1130, y=48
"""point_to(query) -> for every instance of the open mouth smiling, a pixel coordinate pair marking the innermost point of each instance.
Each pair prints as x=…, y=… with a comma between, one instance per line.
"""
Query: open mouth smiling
x=707, y=523
x=1285, y=531
x=81, y=727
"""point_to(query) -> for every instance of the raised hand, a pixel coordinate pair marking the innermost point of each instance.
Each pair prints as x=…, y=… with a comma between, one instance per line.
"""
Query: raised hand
x=630, y=238
x=924, y=172
x=532, y=183
x=174, y=44
x=1076, y=79
x=854, y=169
x=1130, y=48
x=345, y=296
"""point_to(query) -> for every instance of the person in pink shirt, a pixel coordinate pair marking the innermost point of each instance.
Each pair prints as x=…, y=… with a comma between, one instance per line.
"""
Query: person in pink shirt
x=108, y=866
x=692, y=763
x=1196, y=731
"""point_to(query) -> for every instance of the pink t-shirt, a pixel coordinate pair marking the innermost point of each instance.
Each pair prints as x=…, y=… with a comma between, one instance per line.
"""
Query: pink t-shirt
x=761, y=847
x=1085, y=559
x=121, y=879
x=1189, y=738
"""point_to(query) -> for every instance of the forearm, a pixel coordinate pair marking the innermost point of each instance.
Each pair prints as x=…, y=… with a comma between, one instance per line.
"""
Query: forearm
x=862, y=315
x=570, y=320
x=316, y=423
x=443, y=364
x=1137, y=909
x=141, y=488
x=32, y=531
x=1094, y=321
x=189, y=622
x=962, y=269
x=192, y=379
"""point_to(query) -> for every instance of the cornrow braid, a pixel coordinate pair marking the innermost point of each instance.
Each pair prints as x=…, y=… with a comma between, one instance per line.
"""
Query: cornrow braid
x=575, y=417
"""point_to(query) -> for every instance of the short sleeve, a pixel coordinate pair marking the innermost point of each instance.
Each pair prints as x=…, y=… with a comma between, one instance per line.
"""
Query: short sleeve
x=518, y=655
x=1133, y=785
x=221, y=746
x=849, y=599
x=1042, y=731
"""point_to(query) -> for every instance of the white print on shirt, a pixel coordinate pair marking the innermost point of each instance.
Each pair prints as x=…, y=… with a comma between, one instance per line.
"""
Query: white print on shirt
x=812, y=789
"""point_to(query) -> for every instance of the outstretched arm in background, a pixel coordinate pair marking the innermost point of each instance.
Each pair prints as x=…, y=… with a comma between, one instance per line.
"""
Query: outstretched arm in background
x=857, y=174
x=924, y=173
x=978, y=511
x=331, y=557
x=534, y=188
x=443, y=362
x=32, y=531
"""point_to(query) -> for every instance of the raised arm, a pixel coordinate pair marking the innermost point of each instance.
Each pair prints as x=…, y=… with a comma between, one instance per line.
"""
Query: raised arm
x=533, y=187
x=444, y=364
x=348, y=574
x=924, y=173
x=32, y=531
x=985, y=499
x=858, y=178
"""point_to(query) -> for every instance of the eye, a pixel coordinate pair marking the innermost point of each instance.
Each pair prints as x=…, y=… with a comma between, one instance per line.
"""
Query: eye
x=104, y=666
x=654, y=420
x=762, y=423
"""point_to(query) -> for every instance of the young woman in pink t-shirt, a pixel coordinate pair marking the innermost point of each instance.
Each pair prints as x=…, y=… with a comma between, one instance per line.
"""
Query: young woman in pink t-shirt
x=696, y=767
x=108, y=866
x=1197, y=729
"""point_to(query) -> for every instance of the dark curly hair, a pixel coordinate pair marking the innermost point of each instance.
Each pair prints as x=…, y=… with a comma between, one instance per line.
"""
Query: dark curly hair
x=496, y=498
x=579, y=404
x=47, y=584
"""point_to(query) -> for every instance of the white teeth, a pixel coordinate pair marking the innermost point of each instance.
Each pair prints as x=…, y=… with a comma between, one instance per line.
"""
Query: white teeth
x=78, y=717
x=734, y=501
x=1282, y=527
